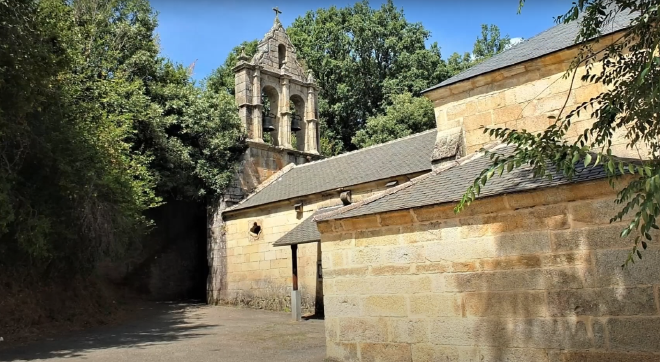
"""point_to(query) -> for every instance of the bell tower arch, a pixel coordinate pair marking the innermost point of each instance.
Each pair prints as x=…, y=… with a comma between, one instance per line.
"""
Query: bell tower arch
x=275, y=68
x=273, y=73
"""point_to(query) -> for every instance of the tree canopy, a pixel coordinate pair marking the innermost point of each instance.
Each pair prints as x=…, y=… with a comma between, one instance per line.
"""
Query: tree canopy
x=489, y=43
x=95, y=128
x=404, y=116
x=630, y=104
x=360, y=56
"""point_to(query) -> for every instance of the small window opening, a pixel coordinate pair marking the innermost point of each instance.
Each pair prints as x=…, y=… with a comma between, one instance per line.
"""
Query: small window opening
x=281, y=54
x=255, y=229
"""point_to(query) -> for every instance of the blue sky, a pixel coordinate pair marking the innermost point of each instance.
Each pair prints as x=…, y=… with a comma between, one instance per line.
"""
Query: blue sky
x=206, y=30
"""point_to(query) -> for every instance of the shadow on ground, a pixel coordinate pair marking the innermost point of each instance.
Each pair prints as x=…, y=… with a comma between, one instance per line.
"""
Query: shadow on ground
x=154, y=324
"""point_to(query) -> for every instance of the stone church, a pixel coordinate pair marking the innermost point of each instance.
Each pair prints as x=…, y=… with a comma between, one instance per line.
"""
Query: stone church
x=279, y=186
x=528, y=272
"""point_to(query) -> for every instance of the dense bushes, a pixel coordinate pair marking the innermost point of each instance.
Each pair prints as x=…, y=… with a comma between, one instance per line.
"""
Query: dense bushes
x=95, y=128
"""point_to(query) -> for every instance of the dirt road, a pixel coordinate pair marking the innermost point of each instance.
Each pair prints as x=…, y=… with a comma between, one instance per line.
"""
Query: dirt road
x=185, y=332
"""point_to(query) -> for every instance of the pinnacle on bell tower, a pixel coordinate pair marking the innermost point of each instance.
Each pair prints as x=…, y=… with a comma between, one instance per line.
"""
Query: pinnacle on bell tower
x=277, y=98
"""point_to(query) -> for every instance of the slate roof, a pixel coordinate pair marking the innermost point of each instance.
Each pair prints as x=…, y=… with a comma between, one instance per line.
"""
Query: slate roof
x=404, y=156
x=558, y=37
x=305, y=232
x=449, y=185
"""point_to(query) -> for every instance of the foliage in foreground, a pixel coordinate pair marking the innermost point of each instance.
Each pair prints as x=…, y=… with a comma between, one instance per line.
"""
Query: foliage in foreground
x=95, y=128
x=630, y=105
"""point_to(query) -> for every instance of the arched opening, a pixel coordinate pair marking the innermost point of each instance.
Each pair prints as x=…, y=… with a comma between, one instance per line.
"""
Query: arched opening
x=269, y=116
x=298, y=125
x=281, y=55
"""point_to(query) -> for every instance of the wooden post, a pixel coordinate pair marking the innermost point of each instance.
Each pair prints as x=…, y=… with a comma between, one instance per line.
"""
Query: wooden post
x=296, y=311
x=294, y=262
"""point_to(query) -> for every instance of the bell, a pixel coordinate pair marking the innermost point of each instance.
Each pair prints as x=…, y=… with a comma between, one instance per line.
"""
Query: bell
x=268, y=122
x=295, y=123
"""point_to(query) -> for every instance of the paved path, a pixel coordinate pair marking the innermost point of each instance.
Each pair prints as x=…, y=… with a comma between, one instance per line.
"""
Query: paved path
x=180, y=332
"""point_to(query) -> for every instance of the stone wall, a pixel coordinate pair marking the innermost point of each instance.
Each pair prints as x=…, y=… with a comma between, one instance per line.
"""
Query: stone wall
x=257, y=273
x=259, y=162
x=524, y=277
x=520, y=97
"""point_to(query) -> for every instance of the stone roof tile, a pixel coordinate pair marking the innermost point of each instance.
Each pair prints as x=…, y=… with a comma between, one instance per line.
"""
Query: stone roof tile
x=558, y=37
x=305, y=232
x=450, y=183
x=403, y=156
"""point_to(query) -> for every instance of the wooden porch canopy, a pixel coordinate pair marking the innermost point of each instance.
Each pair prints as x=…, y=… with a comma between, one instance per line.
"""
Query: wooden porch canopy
x=305, y=232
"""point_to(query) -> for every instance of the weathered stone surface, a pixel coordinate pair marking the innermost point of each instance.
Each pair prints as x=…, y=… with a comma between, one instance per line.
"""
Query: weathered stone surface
x=343, y=306
x=396, y=284
x=439, y=267
x=610, y=274
x=363, y=329
x=342, y=352
x=473, y=122
x=594, y=212
x=634, y=334
x=404, y=254
x=435, y=305
x=361, y=223
x=385, y=305
x=405, y=330
x=602, y=302
x=346, y=272
x=369, y=256
x=609, y=356
x=532, y=279
x=396, y=218
x=486, y=354
x=514, y=333
x=506, y=114
x=390, y=270
x=331, y=325
x=433, y=231
x=598, y=237
x=525, y=304
x=377, y=237
x=512, y=262
x=385, y=352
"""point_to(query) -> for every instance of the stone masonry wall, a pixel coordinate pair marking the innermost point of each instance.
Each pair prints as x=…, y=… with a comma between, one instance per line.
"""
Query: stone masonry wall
x=524, y=277
x=521, y=97
x=259, y=274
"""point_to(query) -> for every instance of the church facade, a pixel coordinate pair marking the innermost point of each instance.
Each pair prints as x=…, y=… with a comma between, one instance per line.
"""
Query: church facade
x=282, y=183
x=528, y=272
x=531, y=271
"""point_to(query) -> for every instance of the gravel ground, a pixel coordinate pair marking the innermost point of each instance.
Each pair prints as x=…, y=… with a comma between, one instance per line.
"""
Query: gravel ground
x=186, y=332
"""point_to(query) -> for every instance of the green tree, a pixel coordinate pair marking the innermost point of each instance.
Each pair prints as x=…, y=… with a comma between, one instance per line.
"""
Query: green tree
x=222, y=78
x=196, y=140
x=630, y=104
x=95, y=128
x=490, y=43
x=360, y=56
x=457, y=63
x=405, y=116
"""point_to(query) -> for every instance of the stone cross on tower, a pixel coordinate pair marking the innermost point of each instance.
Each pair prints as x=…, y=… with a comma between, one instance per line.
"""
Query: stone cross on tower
x=277, y=12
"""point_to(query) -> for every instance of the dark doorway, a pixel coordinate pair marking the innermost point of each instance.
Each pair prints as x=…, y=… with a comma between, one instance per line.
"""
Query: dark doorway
x=172, y=263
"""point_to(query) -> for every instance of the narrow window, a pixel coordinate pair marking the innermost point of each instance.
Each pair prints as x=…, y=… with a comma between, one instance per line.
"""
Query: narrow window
x=281, y=52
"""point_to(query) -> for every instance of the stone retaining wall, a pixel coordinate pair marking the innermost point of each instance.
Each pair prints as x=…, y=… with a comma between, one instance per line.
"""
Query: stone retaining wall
x=524, y=277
